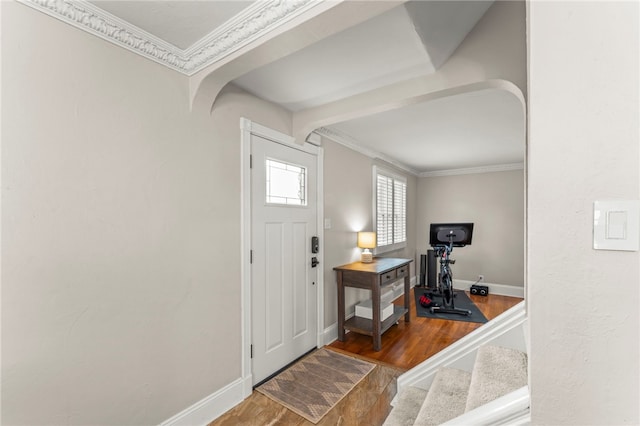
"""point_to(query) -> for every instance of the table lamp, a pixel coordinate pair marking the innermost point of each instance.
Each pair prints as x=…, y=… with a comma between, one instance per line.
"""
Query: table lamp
x=366, y=240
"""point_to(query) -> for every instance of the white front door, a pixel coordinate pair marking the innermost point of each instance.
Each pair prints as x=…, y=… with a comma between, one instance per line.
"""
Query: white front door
x=283, y=280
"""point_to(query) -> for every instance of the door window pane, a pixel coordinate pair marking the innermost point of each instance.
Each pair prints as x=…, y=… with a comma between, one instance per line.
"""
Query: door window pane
x=286, y=183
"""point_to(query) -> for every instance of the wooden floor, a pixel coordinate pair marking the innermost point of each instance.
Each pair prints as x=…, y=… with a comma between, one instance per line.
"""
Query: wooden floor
x=403, y=347
x=408, y=344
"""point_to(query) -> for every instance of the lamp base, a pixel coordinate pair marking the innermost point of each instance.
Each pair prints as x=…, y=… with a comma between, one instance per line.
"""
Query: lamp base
x=367, y=257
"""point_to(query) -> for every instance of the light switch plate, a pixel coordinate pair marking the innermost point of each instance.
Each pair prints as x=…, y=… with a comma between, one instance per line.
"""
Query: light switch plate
x=616, y=225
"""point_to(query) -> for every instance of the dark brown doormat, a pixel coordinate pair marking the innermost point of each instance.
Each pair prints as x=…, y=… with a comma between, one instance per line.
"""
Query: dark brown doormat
x=315, y=384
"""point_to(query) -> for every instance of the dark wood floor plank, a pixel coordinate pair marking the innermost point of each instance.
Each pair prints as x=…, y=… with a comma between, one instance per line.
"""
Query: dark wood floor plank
x=403, y=346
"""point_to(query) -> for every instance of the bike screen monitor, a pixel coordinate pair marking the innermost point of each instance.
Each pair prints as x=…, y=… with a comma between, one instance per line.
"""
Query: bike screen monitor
x=458, y=234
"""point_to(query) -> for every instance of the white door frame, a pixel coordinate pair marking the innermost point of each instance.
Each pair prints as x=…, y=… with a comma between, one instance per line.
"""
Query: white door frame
x=248, y=128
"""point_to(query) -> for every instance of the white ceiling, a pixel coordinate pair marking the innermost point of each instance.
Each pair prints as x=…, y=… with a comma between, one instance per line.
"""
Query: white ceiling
x=180, y=23
x=413, y=39
x=381, y=51
x=471, y=130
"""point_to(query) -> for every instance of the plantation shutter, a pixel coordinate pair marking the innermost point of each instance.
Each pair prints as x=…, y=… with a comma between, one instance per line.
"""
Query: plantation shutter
x=385, y=211
x=391, y=210
x=399, y=211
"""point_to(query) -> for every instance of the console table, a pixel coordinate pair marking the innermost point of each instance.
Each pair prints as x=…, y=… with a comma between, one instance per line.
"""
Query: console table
x=372, y=276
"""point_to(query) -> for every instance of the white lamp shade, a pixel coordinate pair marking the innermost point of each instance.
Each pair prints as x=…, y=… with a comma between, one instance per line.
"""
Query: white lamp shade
x=367, y=240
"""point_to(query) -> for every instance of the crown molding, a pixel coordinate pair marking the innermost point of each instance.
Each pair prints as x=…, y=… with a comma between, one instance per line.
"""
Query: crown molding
x=254, y=22
x=475, y=170
x=353, y=144
x=260, y=18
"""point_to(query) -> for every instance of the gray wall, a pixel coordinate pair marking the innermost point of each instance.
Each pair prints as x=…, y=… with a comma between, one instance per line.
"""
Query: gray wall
x=120, y=231
x=348, y=203
x=494, y=202
x=584, y=146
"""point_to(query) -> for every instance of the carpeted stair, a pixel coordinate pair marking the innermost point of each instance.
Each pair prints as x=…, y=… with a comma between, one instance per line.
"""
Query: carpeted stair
x=407, y=407
x=497, y=371
x=447, y=397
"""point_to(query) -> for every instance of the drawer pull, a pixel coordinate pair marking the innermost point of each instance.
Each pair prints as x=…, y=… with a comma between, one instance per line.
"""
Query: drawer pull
x=387, y=277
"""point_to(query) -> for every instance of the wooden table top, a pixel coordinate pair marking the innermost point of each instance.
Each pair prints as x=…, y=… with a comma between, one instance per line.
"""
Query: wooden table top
x=380, y=265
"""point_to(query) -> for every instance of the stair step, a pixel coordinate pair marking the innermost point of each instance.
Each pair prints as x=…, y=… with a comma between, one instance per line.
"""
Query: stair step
x=407, y=406
x=496, y=372
x=447, y=397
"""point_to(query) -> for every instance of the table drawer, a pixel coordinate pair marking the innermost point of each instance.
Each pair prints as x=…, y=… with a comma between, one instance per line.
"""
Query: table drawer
x=402, y=271
x=388, y=277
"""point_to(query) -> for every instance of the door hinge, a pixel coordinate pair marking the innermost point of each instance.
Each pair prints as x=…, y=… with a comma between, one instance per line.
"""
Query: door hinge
x=251, y=350
x=250, y=256
x=250, y=161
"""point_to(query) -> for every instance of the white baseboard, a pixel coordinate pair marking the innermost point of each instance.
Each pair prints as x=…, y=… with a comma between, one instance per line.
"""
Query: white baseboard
x=499, y=289
x=209, y=408
x=330, y=334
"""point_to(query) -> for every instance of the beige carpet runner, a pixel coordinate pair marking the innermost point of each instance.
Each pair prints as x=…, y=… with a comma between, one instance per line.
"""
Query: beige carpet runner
x=496, y=372
x=315, y=384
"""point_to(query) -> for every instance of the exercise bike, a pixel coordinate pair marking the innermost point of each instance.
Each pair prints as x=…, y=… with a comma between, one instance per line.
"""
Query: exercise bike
x=445, y=281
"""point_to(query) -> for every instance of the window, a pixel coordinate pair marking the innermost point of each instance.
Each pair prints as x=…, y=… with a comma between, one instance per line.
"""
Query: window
x=286, y=183
x=390, y=210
